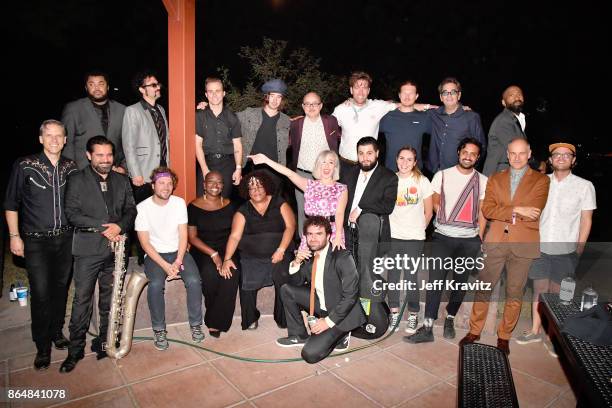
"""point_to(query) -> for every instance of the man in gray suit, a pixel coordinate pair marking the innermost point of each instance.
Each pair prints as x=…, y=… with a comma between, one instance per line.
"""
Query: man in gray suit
x=145, y=135
x=94, y=115
x=507, y=126
x=266, y=129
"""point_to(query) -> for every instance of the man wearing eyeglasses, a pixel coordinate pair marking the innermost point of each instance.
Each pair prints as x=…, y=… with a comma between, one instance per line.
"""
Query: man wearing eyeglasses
x=450, y=124
x=565, y=226
x=309, y=136
x=145, y=135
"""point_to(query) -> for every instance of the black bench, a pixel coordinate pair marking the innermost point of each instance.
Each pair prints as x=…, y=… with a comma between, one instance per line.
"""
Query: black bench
x=485, y=378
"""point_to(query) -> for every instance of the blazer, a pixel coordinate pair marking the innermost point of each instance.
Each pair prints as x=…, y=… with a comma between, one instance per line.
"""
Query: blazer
x=497, y=207
x=332, y=134
x=250, y=122
x=85, y=207
x=82, y=123
x=378, y=198
x=140, y=141
x=341, y=288
x=504, y=128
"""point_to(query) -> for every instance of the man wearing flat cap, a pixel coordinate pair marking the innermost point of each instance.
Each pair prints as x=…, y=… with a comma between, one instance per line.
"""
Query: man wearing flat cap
x=266, y=129
x=565, y=225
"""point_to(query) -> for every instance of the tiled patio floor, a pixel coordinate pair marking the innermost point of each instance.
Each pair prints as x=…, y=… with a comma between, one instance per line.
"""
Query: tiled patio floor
x=389, y=374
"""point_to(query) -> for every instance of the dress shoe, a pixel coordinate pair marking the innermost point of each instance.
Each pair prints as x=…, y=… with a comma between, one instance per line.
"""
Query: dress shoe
x=97, y=346
x=42, y=360
x=254, y=325
x=69, y=363
x=469, y=338
x=60, y=341
x=503, y=345
x=215, y=333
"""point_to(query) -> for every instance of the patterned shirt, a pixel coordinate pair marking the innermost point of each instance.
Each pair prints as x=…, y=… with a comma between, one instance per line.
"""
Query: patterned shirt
x=37, y=191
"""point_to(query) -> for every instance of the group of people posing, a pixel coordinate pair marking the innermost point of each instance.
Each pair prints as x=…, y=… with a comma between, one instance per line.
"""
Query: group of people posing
x=104, y=171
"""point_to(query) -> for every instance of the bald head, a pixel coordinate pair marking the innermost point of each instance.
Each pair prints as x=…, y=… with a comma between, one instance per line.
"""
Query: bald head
x=519, y=153
x=512, y=99
x=312, y=105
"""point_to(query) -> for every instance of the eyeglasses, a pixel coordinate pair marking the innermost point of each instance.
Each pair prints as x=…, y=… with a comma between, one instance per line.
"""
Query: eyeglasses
x=311, y=105
x=153, y=85
x=454, y=92
x=557, y=156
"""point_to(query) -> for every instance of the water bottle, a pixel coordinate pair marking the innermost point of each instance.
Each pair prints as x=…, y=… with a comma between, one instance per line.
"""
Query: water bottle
x=589, y=298
x=566, y=294
x=13, y=293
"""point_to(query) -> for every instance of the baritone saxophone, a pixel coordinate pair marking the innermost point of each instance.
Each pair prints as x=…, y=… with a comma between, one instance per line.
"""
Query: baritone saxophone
x=123, y=304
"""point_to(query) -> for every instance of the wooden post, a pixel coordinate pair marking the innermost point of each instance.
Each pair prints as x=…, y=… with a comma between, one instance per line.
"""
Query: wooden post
x=181, y=90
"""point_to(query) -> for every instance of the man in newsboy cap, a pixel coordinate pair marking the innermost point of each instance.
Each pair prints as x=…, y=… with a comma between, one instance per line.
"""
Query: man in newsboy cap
x=265, y=129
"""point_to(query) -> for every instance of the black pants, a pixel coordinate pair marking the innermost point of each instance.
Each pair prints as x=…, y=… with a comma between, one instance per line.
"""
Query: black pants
x=49, y=266
x=414, y=249
x=248, y=302
x=318, y=346
x=88, y=270
x=219, y=293
x=448, y=247
x=225, y=165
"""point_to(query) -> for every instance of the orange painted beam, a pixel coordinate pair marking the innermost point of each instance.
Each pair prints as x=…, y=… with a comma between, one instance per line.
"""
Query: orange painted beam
x=181, y=90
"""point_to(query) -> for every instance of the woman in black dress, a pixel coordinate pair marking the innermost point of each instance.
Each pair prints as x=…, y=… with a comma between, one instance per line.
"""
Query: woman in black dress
x=263, y=230
x=210, y=223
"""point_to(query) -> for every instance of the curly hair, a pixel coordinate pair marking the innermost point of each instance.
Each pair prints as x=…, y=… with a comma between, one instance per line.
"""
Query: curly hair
x=161, y=170
x=264, y=179
x=317, y=221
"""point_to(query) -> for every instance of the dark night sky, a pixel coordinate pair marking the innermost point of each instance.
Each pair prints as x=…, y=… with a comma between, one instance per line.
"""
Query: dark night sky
x=556, y=53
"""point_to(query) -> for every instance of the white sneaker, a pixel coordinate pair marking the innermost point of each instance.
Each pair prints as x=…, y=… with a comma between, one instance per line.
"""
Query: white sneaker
x=394, y=319
x=413, y=322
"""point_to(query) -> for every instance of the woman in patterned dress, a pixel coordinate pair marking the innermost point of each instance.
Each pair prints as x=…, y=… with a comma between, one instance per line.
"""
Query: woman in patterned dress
x=323, y=196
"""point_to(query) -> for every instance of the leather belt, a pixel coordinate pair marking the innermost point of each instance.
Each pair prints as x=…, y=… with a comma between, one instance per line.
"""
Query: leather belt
x=88, y=229
x=218, y=155
x=48, y=234
x=347, y=160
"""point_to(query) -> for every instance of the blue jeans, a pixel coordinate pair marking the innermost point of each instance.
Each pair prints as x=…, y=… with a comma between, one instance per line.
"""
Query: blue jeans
x=157, y=284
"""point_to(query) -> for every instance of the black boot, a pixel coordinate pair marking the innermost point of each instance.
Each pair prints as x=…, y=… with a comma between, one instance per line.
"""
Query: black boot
x=423, y=335
x=60, y=341
x=70, y=362
x=42, y=361
x=98, y=347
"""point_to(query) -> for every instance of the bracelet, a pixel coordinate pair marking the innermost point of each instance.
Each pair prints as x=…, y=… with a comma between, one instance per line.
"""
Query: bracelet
x=13, y=235
x=214, y=254
x=225, y=260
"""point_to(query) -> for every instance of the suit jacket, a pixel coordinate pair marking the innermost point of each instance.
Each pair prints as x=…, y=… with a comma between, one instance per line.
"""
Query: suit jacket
x=378, y=198
x=497, y=206
x=141, y=142
x=504, y=128
x=341, y=288
x=85, y=207
x=250, y=122
x=82, y=123
x=332, y=134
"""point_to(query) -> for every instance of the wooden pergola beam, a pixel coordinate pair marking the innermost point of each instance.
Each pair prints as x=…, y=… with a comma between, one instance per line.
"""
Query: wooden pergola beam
x=181, y=89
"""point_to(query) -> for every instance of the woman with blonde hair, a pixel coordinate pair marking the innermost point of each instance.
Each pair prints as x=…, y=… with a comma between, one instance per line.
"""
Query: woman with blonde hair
x=323, y=196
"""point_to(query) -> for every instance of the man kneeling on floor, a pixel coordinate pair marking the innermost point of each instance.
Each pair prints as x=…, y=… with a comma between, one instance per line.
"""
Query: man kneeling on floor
x=325, y=283
x=161, y=224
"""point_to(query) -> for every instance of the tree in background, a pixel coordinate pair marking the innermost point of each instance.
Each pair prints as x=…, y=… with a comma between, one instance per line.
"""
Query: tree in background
x=297, y=67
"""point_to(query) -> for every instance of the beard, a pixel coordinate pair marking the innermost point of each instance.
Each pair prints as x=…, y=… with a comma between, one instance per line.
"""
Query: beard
x=516, y=107
x=466, y=167
x=367, y=167
x=317, y=247
x=102, y=168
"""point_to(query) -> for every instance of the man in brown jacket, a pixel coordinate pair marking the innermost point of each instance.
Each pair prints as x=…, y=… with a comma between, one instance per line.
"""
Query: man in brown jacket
x=513, y=202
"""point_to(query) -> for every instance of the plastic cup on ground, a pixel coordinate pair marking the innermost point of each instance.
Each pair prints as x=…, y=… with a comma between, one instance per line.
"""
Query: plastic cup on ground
x=22, y=296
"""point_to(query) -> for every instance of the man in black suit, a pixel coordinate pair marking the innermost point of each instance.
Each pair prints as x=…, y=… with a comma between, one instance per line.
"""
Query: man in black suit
x=94, y=115
x=507, y=126
x=100, y=205
x=332, y=299
x=372, y=190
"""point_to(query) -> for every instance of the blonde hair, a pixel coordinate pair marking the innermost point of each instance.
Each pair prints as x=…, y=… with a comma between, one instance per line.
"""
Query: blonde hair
x=316, y=171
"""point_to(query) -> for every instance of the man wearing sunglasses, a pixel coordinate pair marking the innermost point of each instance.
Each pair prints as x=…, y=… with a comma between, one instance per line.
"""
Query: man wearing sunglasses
x=450, y=124
x=145, y=135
